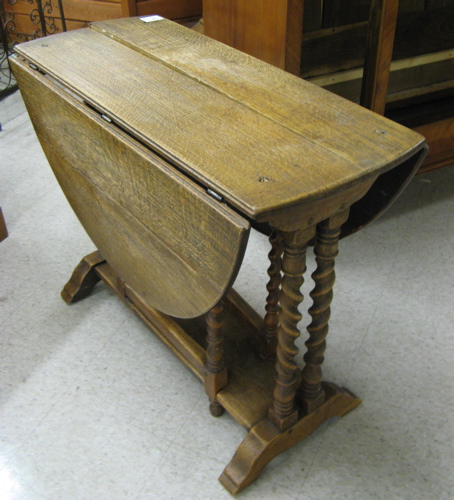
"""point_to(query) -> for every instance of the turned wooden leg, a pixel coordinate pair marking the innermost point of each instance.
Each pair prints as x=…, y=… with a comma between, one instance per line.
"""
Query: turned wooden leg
x=311, y=395
x=215, y=368
x=273, y=286
x=83, y=279
x=283, y=413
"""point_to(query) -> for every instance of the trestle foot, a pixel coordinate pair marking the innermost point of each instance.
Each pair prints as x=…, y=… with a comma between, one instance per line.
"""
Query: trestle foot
x=83, y=279
x=265, y=441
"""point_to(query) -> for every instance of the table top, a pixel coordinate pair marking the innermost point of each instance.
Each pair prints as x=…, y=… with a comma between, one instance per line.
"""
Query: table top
x=261, y=138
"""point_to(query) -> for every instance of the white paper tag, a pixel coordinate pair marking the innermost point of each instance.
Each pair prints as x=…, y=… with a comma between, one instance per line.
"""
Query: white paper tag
x=150, y=19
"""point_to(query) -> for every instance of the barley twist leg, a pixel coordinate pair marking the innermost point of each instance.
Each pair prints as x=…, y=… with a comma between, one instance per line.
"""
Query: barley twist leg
x=273, y=287
x=283, y=413
x=311, y=394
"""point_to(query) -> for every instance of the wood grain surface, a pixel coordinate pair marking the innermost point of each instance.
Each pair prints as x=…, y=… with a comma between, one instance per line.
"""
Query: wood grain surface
x=261, y=138
x=319, y=116
x=174, y=245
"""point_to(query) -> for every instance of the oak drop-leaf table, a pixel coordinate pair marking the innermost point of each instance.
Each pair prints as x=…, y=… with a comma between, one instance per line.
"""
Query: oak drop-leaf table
x=170, y=146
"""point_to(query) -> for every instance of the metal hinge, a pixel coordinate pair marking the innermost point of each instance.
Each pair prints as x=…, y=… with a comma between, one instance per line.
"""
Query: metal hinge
x=215, y=195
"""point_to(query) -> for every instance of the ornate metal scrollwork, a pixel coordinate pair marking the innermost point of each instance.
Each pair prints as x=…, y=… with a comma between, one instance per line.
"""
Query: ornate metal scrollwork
x=7, y=82
x=41, y=16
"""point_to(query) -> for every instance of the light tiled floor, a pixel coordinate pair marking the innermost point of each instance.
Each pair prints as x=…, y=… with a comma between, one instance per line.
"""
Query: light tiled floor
x=93, y=406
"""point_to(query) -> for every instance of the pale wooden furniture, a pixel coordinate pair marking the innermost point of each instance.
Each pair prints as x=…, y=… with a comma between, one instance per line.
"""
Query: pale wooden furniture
x=169, y=147
x=21, y=20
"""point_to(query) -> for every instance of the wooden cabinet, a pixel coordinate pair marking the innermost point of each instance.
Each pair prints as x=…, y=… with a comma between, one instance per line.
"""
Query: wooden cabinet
x=407, y=48
x=23, y=23
x=170, y=9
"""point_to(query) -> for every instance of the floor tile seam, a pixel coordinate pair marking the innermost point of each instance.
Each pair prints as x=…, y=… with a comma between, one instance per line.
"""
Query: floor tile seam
x=171, y=444
x=384, y=287
x=158, y=464
x=183, y=446
x=164, y=455
x=19, y=306
x=162, y=440
x=309, y=497
x=33, y=429
x=322, y=438
x=58, y=399
x=77, y=378
x=93, y=357
x=188, y=416
x=403, y=238
x=28, y=299
x=71, y=384
x=369, y=323
x=10, y=312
